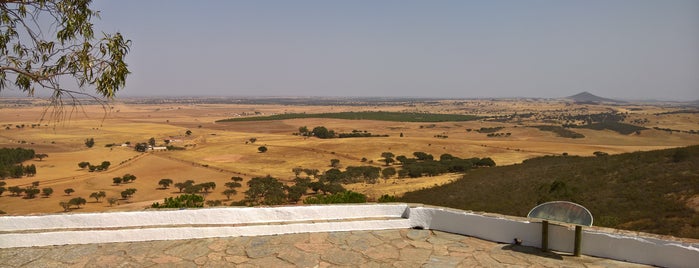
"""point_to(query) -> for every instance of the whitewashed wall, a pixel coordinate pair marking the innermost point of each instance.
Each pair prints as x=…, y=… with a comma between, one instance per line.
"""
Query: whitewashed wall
x=636, y=249
x=25, y=231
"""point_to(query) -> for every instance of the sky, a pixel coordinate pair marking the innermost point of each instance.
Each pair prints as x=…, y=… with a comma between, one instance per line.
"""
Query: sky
x=640, y=49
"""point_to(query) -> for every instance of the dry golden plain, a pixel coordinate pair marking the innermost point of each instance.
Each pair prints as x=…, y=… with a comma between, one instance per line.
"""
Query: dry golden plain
x=217, y=151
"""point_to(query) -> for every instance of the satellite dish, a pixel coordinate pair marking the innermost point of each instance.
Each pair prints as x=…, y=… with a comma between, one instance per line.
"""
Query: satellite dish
x=562, y=211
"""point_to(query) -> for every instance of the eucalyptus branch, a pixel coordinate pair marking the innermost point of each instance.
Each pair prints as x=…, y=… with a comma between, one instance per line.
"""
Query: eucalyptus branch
x=36, y=57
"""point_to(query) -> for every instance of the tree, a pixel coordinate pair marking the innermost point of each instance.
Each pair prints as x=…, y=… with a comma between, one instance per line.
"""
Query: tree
x=126, y=194
x=65, y=206
x=193, y=189
x=128, y=178
x=183, y=185
x=207, y=186
x=335, y=163
x=295, y=193
x=265, y=190
x=141, y=147
x=45, y=42
x=90, y=142
x=46, y=192
x=182, y=201
x=69, y=191
x=485, y=162
x=232, y=185
x=229, y=192
x=387, y=173
x=151, y=142
x=388, y=157
x=387, y=198
x=77, y=201
x=116, y=180
x=112, y=201
x=303, y=131
x=30, y=170
x=213, y=203
x=31, y=192
x=323, y=133
x=297, y=171
x=105, y=165
x=83, y=164
x=311, y=172
x=188, y=132
x=165, y=183
x=262, y=149
x=98, y=195
x=252, y=140
x=15, y=190
x=332, y=188
x=35, y=183
x=2, y=190
x=446, y=157
x=332, y=175
x=423, y=156
x=41, y=156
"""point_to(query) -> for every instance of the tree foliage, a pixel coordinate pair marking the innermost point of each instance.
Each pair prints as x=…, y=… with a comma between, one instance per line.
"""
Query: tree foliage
x=181, y=201
x=265, y=190
x=89, y=142
x=388, y=157
x=31, y=192
x=165, y=183
x=98, y=195
x=183, y=185
x=141, y=147
x=46, y=192
x=46, y=42
x=68, y=191
x=77, y=201
x=11, y=159
x=337, y=198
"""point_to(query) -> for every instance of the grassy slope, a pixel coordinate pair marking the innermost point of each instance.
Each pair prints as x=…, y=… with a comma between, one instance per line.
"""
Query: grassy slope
x=643, y=191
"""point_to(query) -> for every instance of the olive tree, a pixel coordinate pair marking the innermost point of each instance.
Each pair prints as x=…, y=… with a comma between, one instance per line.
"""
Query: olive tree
x=98, y=195
x=165, y=183
x=44, y=43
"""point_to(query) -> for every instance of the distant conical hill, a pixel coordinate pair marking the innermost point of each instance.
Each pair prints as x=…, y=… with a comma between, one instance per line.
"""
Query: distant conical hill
x=589, y=97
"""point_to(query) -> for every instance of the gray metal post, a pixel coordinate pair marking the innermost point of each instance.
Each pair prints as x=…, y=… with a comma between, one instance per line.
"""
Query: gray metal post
x=578, y=240
x=544, y=235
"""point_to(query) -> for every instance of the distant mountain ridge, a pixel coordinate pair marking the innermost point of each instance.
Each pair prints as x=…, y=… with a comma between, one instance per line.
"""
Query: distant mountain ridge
x=589, y=97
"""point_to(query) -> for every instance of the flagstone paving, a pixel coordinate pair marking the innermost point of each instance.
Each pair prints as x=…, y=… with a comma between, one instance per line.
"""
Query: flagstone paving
x=385, y=248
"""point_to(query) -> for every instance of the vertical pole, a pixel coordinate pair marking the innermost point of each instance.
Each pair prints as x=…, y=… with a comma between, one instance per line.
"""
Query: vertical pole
x=544, y=235
x=578, y=240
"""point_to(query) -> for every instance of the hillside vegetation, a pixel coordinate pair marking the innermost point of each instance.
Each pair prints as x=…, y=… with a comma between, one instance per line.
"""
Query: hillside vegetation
x=642, y=191
x=381, y=116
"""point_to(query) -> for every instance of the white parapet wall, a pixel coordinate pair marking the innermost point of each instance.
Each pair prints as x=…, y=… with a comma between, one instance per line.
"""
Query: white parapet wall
x=85, y=228
x=631, y=248
x=229, y=216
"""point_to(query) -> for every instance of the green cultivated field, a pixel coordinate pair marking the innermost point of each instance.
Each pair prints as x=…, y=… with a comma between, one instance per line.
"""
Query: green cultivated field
x=380, y=116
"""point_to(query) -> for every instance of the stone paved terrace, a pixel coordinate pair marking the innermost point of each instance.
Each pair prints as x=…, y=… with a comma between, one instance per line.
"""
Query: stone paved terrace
x=380, y=248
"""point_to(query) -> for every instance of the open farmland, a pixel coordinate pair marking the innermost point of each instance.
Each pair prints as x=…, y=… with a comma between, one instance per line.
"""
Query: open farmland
x=215, y=151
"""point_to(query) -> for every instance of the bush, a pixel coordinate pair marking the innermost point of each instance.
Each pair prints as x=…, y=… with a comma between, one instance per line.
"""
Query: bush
x=387, y=198
x=181, y=201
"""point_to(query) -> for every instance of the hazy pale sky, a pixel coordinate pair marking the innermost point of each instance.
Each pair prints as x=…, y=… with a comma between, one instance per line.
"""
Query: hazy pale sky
x=640, y=49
